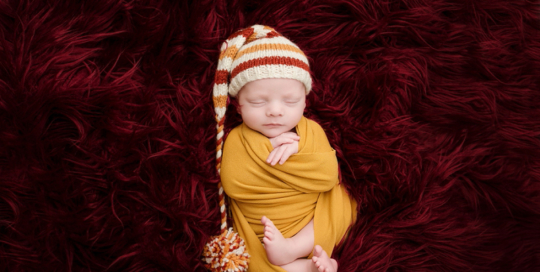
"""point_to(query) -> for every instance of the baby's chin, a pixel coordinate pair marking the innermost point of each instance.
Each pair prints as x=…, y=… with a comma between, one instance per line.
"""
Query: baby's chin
x=271, y=135
x=274, y=133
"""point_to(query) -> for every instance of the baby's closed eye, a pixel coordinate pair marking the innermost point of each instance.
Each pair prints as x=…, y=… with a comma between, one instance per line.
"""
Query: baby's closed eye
x=257, y=102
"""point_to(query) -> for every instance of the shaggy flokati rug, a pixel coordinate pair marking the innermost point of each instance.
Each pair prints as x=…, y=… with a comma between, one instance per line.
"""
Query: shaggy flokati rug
x=107, y=129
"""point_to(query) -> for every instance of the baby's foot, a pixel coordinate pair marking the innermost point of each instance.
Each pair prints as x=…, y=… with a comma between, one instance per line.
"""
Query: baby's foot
x=278, y=248
x=322, y=261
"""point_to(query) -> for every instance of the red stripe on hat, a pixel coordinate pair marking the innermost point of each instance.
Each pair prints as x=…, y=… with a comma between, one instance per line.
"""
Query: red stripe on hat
x=272, y=34
x=244, y=32
x=269, y=61
x=221, y=77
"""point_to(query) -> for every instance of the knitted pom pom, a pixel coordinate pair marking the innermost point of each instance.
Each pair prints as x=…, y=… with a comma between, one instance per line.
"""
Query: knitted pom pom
x=226, y=253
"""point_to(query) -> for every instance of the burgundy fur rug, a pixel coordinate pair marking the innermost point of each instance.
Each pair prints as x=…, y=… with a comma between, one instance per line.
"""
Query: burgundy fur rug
x=107, y=130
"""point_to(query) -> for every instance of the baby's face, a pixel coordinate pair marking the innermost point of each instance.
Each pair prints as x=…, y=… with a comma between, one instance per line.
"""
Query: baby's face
x=272, y=106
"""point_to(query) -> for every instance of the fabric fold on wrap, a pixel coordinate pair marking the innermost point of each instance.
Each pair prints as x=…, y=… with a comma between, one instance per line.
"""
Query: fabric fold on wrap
x=305, y=187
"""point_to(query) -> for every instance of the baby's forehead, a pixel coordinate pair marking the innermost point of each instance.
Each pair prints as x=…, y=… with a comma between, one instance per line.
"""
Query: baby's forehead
x=275, y=84
x=253, y=93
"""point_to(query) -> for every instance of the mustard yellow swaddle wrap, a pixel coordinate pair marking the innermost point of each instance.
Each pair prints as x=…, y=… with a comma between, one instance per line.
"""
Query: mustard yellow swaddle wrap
x=305, y=187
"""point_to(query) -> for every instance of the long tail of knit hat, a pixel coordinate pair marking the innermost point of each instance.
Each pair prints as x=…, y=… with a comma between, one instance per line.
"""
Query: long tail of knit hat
x=253, y=53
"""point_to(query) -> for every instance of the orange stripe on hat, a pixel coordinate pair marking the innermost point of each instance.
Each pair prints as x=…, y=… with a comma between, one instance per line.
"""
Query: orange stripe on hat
x=272, y=46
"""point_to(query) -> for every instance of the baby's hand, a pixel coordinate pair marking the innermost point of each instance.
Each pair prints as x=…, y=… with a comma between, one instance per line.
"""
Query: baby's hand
x=284, y=138
x=284, y=145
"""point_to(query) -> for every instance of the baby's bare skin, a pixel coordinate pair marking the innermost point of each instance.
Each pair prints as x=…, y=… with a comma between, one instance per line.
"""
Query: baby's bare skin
x=290, y=253
x=322, y=261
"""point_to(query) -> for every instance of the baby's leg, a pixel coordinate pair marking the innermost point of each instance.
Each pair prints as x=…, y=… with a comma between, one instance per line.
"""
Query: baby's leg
x=280, y=250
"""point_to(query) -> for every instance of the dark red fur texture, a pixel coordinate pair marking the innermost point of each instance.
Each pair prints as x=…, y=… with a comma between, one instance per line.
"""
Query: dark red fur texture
x=107, y=133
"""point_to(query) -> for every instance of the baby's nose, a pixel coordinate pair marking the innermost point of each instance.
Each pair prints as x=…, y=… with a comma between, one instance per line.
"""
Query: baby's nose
x=274, y=109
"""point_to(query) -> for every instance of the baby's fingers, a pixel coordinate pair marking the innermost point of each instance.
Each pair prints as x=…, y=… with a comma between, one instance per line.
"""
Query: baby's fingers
x=291, y=135
x=281, y=141
x=279, y=153
x=286, y=154
x=271, y=155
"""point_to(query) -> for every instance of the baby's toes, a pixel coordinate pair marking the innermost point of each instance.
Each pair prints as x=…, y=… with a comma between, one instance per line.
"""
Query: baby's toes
x=269, y=234
x=269, y=223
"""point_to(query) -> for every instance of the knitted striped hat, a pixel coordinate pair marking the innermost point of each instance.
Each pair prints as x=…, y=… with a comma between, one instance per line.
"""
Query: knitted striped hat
x=259, y=52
